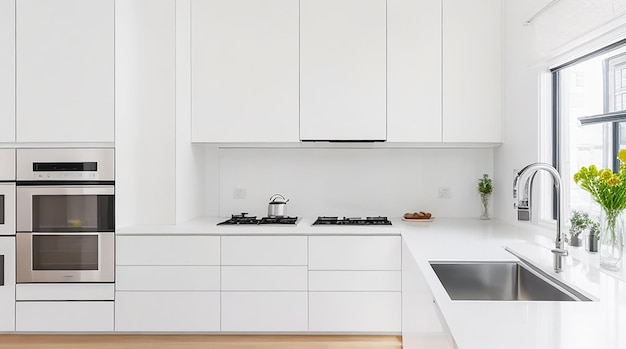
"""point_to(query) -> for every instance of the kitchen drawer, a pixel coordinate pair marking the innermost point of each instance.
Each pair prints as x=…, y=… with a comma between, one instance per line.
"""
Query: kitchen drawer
x=168, y=250
x=264, y=311
x=168, y=278
x=264, y=250
x=167, y=311
x=354, y=253
x=236, y=278
x=64, y=316
x=65, y=292
x=355, y=280
x=355, y=312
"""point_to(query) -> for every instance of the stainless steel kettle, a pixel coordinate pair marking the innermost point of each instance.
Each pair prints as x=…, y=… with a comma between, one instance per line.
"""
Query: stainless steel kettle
x=277, y=206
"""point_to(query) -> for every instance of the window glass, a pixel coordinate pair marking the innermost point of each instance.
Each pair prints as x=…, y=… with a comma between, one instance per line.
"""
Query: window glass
x=590, y=87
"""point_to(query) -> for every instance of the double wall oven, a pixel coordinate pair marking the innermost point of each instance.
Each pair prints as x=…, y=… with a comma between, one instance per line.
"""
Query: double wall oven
x=65, y=215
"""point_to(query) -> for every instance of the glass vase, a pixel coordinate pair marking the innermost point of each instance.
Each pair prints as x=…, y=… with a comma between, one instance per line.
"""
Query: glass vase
x=611, y=239
x=484, y=200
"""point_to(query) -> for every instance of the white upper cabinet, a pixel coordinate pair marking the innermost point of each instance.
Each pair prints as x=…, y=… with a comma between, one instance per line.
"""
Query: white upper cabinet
x=244, y=70
x=65, y=75
x=472, y=71
x=414, y=71
x=343, y=70
x=7, y=70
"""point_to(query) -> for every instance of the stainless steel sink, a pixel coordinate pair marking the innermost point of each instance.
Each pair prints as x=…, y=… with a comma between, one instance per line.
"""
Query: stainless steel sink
x=501, y=281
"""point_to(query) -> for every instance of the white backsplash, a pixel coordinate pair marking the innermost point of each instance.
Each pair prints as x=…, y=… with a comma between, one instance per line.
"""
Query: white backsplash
x=352, y=182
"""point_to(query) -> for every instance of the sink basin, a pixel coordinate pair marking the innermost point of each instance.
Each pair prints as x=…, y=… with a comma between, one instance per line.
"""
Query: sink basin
x=501, y=281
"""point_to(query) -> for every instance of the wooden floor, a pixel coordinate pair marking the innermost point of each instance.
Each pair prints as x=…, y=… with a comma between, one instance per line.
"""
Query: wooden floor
x=114, y=341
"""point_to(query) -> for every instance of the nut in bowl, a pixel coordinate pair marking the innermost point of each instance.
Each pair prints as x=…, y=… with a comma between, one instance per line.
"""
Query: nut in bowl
x=418, y=217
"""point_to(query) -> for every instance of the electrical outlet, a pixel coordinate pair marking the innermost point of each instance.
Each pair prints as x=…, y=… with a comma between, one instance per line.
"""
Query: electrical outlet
x=445, y=192
x=239, y=193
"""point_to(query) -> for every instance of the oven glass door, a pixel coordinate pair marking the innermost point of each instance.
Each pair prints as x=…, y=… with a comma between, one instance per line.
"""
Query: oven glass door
x=69, y=257
x=65, y=252
x=66, y=209
x=7, y=209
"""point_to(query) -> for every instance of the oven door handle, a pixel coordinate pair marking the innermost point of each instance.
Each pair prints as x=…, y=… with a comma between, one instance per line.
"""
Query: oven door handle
x=64, y=233
x=1, y=270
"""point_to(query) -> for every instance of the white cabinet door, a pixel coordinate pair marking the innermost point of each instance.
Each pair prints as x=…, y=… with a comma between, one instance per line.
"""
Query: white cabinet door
x=167, y=311
x=264, y=311
x=343, y=70
x=64, y=316
x=472, y=71
x=244, y=70
x=7, y=70
x=354, y=311
x=354, y=253
x=7, y=283
x=421, y=327
x=168, y=250
x=65, y=70
x=264, y=250
x=414, y=71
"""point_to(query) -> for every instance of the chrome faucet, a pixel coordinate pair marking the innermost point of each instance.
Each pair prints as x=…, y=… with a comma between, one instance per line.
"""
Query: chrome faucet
x=524, y=204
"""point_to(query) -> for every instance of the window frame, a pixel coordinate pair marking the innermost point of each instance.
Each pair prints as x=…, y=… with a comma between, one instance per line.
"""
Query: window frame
x=615, y=118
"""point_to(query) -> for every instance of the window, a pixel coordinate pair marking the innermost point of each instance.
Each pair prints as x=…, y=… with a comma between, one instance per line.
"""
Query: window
x=593, y=85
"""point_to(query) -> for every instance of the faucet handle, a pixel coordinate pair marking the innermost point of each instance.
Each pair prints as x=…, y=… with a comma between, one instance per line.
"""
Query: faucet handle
x=560, y=252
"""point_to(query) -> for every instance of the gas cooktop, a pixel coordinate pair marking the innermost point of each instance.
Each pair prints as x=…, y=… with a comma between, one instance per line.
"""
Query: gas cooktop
x=352, y=221
x=250, y=220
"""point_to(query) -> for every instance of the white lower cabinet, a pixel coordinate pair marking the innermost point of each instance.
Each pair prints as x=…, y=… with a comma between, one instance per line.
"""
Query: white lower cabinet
x=354, y=311
x=264, y=311
x=167, y=311
x=7, y=283
x=74, y=316
x=355, y=283
x=422, y=324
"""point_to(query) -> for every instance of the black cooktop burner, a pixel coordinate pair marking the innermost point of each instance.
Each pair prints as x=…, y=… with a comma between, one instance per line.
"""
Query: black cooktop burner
x=352, y=221
x=245, y=219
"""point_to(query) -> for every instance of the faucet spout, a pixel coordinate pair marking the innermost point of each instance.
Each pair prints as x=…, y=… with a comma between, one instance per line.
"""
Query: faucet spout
x=523, y=203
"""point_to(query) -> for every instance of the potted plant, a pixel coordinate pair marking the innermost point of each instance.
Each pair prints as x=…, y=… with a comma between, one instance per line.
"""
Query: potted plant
x=579, y=221
x=593, y=236
x=485, y=188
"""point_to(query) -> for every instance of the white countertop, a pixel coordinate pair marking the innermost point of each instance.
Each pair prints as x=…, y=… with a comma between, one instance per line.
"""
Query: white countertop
x=303, y=226
x=482, y=324
x=514, y=324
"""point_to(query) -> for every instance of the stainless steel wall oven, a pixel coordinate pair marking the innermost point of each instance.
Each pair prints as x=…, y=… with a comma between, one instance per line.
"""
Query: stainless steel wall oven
x=65, y=215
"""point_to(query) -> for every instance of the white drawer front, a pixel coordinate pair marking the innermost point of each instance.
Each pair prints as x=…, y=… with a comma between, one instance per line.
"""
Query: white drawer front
x=65, y=292
x=168, y=278
x=261, y=278
x=264, y=311
x=167, y=311
x=64, y=316
x=264, y=250
x=168, y=250
x=355, y=311
x=354, y=253
x=355, y=281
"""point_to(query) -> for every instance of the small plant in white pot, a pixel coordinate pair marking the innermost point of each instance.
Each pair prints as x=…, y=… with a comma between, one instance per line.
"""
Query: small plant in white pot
x=579, y=221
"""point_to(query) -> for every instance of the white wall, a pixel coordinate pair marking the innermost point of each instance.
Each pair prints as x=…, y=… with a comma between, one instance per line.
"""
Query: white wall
x=353, y=182
x=190, y=159
x=145, y=111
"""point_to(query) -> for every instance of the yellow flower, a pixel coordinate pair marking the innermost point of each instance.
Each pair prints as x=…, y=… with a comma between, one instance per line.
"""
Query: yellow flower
x=622, y=155
x=614, y=180
x=606, y=175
